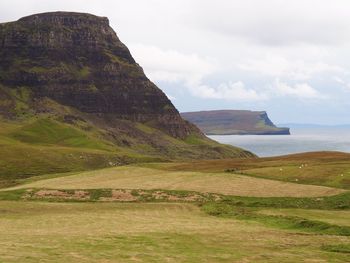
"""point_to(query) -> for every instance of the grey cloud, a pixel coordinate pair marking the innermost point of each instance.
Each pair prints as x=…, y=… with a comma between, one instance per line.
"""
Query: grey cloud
x=275, y=23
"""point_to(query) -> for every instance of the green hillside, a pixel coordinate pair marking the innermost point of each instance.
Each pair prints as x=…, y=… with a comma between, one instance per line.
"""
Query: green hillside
x=43, y=144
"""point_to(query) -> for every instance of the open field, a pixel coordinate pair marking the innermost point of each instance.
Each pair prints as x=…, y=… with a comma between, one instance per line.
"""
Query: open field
x=179, y=212
x=133, y=177
x=139, y=232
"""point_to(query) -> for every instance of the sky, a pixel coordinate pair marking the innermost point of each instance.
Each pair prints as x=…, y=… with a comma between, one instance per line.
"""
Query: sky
x=289, y=58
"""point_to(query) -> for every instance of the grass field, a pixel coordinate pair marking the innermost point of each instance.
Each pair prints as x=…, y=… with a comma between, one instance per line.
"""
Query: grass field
x=76, y=232
x=133, y=177
x=181, y=212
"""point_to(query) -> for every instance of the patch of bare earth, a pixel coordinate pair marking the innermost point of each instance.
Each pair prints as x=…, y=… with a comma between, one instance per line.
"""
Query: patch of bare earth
x=120, y=195
x=59, y=194
x=159, y=195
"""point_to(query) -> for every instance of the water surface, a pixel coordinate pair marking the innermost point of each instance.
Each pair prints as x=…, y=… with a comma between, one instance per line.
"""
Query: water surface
x=300, y=140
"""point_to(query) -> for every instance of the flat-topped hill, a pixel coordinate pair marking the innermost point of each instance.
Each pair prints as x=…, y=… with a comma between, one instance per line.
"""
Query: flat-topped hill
x=77, y=60
x=227, y=122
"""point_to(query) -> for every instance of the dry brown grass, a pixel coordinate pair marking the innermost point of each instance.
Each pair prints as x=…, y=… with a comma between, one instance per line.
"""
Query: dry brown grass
x=131, y=177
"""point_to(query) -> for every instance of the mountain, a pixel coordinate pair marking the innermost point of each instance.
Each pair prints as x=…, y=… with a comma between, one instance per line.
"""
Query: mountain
x=77, y=60
x=229, y=122
x=72, y=97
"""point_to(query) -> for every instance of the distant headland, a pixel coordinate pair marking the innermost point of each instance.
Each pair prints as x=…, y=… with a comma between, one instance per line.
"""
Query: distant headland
x=234, y=122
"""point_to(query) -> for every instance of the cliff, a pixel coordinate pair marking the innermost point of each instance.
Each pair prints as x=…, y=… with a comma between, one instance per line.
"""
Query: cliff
x=77, y=60
x=66, y=80
x=229, y=122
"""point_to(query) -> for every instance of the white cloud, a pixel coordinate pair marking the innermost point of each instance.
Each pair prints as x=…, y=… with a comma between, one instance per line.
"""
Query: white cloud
x=190, y=70
x=277, y=66
x=277, y=23
x=174, y=66
x=299, y=90
x=237, y=91
x=344, y=84
x=171, y=65
x=233, y=91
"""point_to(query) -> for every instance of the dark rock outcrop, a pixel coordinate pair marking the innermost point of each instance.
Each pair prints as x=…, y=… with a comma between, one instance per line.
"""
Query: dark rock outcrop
x=77, y=60
x=230, y=122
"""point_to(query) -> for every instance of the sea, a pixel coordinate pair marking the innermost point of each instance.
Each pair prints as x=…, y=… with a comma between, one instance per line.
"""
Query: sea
x=300, y=140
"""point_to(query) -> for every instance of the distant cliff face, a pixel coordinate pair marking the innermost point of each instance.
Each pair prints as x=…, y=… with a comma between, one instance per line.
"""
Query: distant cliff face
x=223, y=122
x=77, y=60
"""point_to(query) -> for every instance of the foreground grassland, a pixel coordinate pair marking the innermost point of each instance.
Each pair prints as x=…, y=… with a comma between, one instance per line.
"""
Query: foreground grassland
x=151, y=232
x=208, y=211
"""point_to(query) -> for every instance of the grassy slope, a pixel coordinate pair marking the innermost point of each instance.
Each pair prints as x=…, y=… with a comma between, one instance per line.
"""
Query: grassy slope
x=42, y=144
x=50, y=132
x=319, y=168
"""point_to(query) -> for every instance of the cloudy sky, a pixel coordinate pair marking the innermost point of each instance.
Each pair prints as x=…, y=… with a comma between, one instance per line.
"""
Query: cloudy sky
x=290, y=58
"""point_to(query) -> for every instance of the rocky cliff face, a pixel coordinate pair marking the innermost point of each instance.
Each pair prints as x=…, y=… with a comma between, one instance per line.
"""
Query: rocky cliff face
x=221, y=122
x=77, y=60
